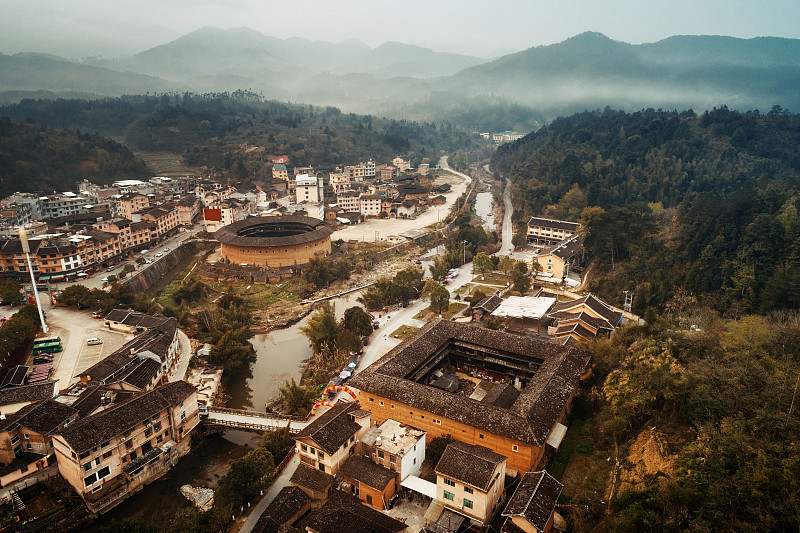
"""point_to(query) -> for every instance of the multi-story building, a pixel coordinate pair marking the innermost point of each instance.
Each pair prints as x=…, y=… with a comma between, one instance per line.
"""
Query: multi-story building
x=526, y=388
x=54, y=258
x=222, y=214
x=131, y=203
x=370, y=205
x=279, y=172
x=188, y=210
x=349, y=201
x=113, y=453
x=396, y=446
x=388, y=173
x=355, y=172
x=15, y=214
x=327, y=442
x=164, y=216
x=556, y=261
x=470, y=480
x=339, y=182
x=369, y=169
x=548, y=232
x=63, y=205
x=307, y=189
x=33, y=202
x=400, y=164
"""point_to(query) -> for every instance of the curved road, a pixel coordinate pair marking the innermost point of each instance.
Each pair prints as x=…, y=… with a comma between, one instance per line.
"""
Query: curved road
x=508, y=229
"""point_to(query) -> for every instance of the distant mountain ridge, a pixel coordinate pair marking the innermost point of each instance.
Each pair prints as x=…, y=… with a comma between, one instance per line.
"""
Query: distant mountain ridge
x=587, y=71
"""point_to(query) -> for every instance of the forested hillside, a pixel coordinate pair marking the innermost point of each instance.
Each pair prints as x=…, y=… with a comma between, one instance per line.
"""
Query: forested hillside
x=208, y=129
x=35, y=158
x=673, y=204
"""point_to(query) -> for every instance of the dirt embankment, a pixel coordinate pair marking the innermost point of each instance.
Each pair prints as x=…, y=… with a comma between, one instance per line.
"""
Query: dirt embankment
x=648, y=461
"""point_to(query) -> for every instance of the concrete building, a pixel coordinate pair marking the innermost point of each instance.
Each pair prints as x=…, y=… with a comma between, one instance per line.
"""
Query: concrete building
x=532, y=507
x=396, y=446
x=307, y=189
x=546, y=231
x=131, y=203
x=370, y=205
x=110, y=455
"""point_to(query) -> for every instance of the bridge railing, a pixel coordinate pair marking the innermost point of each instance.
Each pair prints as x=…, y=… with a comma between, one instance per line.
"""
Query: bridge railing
x=254, y=414
x=250, y=425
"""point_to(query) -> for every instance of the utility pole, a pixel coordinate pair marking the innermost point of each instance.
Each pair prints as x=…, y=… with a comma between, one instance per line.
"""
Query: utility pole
x=23, y=238
x=628, y=301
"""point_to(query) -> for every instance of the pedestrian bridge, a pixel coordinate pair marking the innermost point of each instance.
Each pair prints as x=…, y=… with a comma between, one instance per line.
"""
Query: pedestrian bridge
x=251, y=420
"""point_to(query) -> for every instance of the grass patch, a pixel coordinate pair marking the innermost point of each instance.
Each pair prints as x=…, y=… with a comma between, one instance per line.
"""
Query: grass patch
x=403, y=332
x=578, y=438
x=455, y=308
x=493, y=278
x=257, y=295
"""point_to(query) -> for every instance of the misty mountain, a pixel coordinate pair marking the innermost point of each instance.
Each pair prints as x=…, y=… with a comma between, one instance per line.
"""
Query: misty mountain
x=35, y=72
x=590, y=71
x=207, y=57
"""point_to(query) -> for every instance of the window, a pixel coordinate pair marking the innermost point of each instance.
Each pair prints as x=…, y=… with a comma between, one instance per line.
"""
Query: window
x=28, y=446
x=449, y=496
x=97, y=462
x=312, y=450
x=304, y=447
x=514, y=448
x=106, y=443
x=480, y=435
x=157, y=426
x=380, y=454
x=26, y=436
x=321, y=456
x=390, y=407
x=90, y=479
x=103, y=472
x=148, y=432
x=107, y=455
x=322, y=467
x=369, y=499
x=183, y=415
x=87, y=466
x=15, y=439
x=159, y=439
x=467, y=503
x=372, y=400
x=381, y=403
x=468, y=490
x=449, y=482
x=128, y=445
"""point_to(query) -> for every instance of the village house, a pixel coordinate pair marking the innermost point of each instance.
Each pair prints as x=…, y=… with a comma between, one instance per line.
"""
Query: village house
x=548, y=232
x=531, y=508
x=396, y=446
x=279, y=172
x=523, y=388
x=348, y=201
x=372, y=483
x=164, y=216
x=314, y=482
x=15, y=397
x=555, y=262
x=110, y=455
x=307, y=189
x=339, y=182
x=470, y=480
x=584, y=318
x=223, y=213
x=328, y=441
x=188, y=210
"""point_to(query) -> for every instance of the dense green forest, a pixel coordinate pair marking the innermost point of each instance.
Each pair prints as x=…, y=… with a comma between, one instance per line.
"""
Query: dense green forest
x=699, y=216
x=673, y=200
x=35, y=158
x=208, y=129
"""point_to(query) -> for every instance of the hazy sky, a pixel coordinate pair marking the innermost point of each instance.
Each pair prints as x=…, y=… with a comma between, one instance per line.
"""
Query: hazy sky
x=76, y=28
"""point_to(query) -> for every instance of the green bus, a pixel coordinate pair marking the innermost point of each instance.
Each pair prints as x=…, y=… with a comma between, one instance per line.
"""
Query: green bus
x=50, y=347
x=46, y=340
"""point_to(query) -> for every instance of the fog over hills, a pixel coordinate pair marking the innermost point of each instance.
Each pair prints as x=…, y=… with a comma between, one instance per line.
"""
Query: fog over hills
x=395, y=79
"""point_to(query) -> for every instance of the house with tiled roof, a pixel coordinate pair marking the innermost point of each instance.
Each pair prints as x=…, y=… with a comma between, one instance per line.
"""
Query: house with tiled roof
x=314, y=482
x=288, y=507
x=113, y=453
x=555, y=262
x=519, y=424
x=12, y=399
x=344, y=512
x=531, y=508
x=583, y=318
x=470, y=480
x=331, y=437
x=372, y=483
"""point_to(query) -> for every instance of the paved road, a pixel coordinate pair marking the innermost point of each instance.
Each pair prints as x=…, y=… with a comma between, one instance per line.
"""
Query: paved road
x=280, y=482
x=508, y=229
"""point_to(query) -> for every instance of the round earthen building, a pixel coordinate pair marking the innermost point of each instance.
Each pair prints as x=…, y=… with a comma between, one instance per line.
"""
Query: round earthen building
x=275, y=242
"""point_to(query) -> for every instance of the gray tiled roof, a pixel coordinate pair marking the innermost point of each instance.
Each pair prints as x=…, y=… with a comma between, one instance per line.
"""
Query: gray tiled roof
x=535, y=498
x=27, y=393
x=469, y=464
x=365, y=471
x=311, y=478
x=332, y=428
x=343, y=512
x=531, y=416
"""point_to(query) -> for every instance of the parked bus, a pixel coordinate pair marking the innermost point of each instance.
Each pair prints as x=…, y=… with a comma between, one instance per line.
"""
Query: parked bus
x=50, y=347
x=47, y=340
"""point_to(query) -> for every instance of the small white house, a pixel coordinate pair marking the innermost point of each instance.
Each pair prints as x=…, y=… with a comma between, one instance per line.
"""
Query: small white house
x=397, y=447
